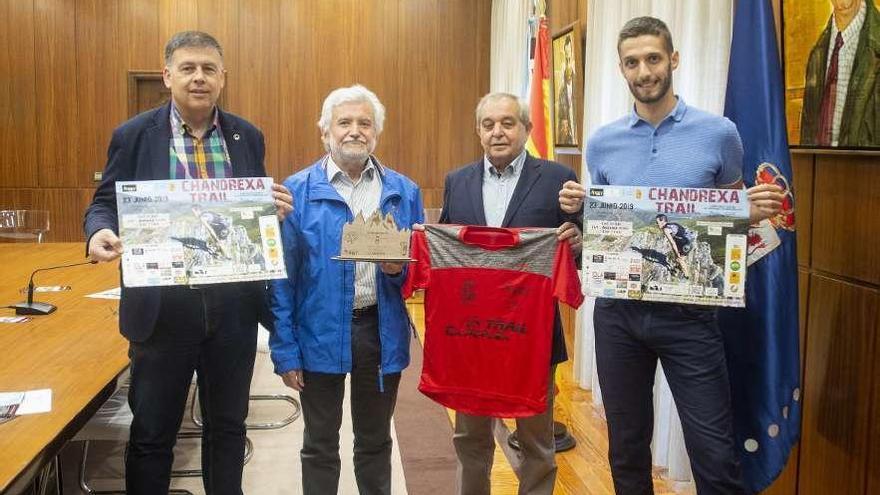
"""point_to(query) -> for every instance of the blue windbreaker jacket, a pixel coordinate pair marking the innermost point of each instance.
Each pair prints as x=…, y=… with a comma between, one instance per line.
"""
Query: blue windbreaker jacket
x=313, y=305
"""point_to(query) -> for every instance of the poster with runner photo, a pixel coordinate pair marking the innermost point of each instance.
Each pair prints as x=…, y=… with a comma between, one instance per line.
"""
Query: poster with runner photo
x=198, y=231
x=681, y=245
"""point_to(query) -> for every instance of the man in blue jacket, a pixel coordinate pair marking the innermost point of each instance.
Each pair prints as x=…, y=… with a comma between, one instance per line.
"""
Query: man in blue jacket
x=338, y=317
x=175, y=330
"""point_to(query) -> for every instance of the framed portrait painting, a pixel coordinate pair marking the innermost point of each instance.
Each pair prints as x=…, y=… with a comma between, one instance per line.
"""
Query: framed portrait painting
x=567, y=92
x=832, y=63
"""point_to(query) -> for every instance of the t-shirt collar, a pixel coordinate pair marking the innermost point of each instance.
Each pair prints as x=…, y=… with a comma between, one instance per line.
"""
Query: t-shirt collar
x=676, y=114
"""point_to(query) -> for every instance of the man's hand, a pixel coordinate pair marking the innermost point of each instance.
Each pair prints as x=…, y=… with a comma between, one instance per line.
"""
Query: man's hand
x=571, y=197
x=765, y=201
x=294, y=380
x=389, y=268
x=571, y=232
x=283, y=200
x=104, y=246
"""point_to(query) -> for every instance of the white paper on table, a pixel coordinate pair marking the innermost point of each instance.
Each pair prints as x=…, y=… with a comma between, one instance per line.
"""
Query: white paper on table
x=52, y=288
x=114, y=293
x=34, y=401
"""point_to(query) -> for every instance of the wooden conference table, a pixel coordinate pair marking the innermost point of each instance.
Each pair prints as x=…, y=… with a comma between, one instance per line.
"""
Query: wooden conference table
x=76, y=351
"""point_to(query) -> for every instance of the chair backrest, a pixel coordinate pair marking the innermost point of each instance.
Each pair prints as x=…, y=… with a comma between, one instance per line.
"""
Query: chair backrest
x=23, y=225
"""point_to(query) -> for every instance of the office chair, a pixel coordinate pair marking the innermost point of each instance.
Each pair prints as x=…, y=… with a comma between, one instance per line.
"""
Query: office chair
x=112, y=423
x=23, y=225
x=262, y=347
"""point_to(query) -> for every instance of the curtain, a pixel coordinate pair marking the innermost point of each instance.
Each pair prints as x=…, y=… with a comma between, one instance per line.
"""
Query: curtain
x=509, y=57
x=701, y=32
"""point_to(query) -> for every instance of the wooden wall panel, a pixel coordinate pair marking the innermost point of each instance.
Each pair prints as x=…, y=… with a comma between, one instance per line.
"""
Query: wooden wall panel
x=803, y=311
x=463, y=95
x=426, y=60
x=444, y=90
x=139, y=43
x=842, y=327
x=175, y=16
x=99, y=93
x=55, y=41
x=845, y=225
x=18, y=125
x=802, y=170
x=259, y=29
x=303, y=85
x=221, y=20
x=313, y=63
x=873, y=467
x=420, y=105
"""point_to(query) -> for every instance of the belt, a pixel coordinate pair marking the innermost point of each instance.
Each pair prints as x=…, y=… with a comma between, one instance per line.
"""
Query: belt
x=364, y=312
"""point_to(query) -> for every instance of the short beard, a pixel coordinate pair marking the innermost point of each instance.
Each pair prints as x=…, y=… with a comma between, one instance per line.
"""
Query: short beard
x=347, y=156
x=352, y=157
x=664, y=89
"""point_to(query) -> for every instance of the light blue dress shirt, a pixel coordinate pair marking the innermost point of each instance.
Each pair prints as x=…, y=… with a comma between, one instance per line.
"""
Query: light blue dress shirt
x=498, y=188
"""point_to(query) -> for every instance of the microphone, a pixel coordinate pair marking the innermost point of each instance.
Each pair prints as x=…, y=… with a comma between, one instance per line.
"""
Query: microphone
x=30, y=307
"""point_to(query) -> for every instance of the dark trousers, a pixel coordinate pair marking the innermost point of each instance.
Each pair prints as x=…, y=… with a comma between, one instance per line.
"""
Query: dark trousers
x=630, y=337
x=371, y=411
x=211, y=331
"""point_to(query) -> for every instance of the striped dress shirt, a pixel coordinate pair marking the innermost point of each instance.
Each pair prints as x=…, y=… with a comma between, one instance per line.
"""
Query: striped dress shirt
x=361, y=196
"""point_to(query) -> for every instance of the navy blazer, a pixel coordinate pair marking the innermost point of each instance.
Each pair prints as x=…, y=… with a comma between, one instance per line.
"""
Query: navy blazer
x=139, y=151
x=535, y=203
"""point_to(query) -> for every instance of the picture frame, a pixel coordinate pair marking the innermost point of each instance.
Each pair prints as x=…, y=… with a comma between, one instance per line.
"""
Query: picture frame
x=566, y=87
x=807, y=53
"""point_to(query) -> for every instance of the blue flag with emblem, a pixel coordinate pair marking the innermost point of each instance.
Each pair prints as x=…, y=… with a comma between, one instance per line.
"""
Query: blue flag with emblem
x=762, y=340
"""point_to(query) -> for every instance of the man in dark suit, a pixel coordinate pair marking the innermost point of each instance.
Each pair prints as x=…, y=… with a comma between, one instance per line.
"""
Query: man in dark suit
x=841, y=90
x=509, y=188
x=174, y=331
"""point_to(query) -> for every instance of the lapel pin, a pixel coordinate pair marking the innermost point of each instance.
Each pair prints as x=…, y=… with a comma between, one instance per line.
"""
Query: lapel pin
x=236, y=136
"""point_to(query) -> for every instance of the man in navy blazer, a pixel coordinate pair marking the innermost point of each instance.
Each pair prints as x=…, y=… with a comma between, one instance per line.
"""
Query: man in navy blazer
x=509, y=188
x=174, y=331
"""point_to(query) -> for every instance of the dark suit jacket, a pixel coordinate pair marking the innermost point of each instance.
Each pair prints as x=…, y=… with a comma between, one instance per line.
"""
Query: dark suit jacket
x=535, y=203
x=860, y=125
x=139, y=151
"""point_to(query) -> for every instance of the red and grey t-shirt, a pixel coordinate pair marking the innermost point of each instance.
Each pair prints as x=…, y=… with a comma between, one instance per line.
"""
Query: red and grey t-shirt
x=490, y=300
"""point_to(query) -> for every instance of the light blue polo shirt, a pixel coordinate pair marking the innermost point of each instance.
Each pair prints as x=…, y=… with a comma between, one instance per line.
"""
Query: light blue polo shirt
x=688, y=148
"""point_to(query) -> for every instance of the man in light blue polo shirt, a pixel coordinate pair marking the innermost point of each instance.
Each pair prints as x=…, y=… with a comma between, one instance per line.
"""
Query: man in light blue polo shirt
x=664, y=142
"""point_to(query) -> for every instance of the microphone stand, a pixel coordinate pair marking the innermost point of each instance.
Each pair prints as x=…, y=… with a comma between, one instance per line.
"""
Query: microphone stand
x=30, y=307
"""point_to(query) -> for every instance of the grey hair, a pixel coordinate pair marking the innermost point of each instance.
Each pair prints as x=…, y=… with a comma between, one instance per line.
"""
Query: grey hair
x=191, y=39
x=524, y=115
x=351, y=94
x=641, y=26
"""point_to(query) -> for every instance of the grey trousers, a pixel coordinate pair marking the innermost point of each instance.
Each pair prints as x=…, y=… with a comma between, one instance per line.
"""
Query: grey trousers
x=371, y=412
x=475, y=447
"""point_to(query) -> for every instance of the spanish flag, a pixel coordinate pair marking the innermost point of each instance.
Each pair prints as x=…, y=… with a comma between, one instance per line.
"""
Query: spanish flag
x=540, y=143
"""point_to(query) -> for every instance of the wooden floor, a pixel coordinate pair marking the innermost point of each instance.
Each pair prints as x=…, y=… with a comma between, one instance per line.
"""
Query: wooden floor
x=583, y=470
